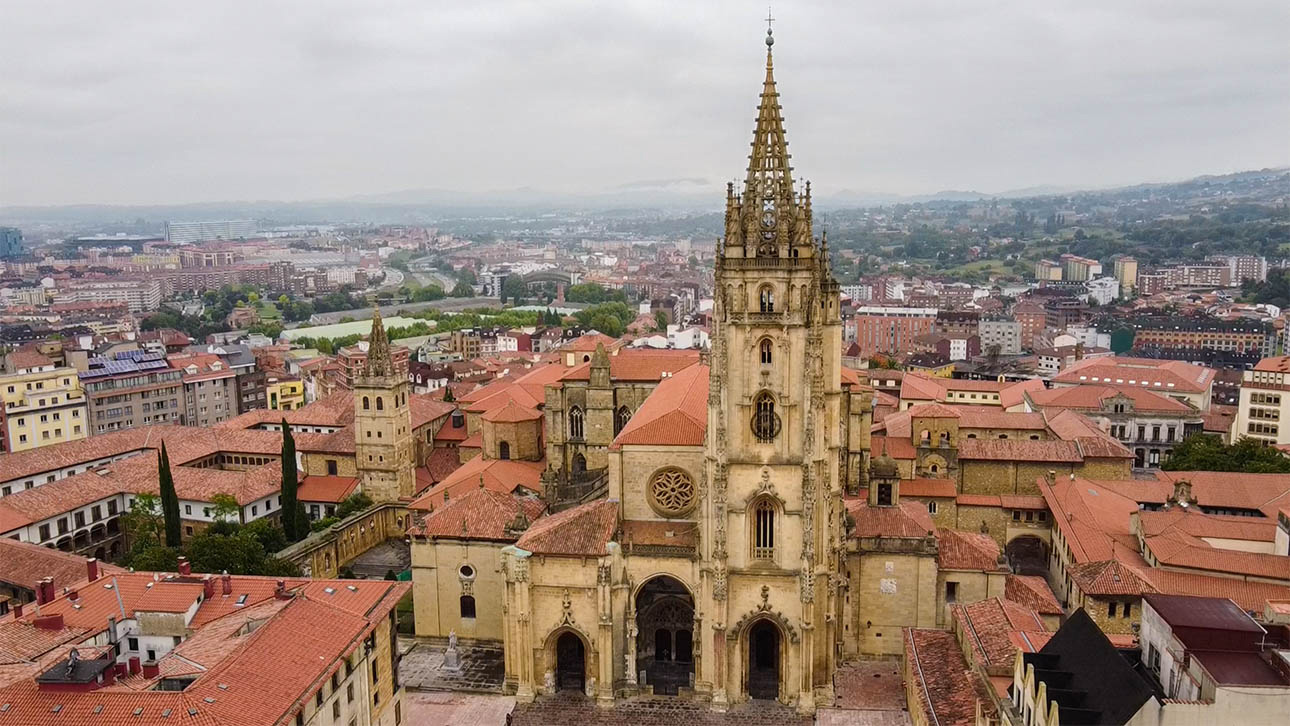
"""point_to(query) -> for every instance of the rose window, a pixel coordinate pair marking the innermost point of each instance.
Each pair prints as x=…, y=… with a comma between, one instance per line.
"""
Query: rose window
x=671, y=491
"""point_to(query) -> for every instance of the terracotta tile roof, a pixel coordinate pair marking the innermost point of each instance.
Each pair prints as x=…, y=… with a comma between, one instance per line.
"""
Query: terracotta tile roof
x=1093, y=397
x=1032, y=591
x=330, y=489
x=25, y=358
x=1094, y=518
x=932, y=410
x=512, y=412
x=587, y=343
x=987, y=627
x=1249, y=595
x=441, y=463
x=945, y=690
x=1179, y=550
x=989, y=417
x=910, y=519
x=478, y=514
x=1277, y=364
x=1065, y=452
x=24, y=564
x=1199, y=524
x=474, y=441
x=958, y=550
x=659, y=533
x=928, y=488
x=501, y=475
x=169, y=597
x=919, y=387
x=1157, y=375
x=425, y=409
x=1022, y=501
x=50, y=458
x=582, y=530
x=896, y=447
x=1108, y=577
x=448, y=432
x=674, y=414
x=1266, y=493
x=1014, y=394
x=979, y=500
x=639, y=364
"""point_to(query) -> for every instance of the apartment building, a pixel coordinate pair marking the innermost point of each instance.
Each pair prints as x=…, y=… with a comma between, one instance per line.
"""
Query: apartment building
x=1033, y=319
x=142, y=295
x=42, y=403
x=1126, y=273
x=210, y=389
x=1198, y=276
x=1048, y=271
x=1002, y=332
x=132, y=388
x=200, y=231
x=1079, y=269
x=1183, y=333
x=1244, y=267
x=1263, y=408
x=892, y=330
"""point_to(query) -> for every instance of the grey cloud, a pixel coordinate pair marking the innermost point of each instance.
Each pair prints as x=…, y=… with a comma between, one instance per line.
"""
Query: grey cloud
x=147, y=102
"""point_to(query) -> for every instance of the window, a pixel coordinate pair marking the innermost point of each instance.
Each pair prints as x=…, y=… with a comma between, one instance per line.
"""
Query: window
x=335, y=709
x=188, y=509
x=621, y=417
x=349, y=689
x=467, y=606
x=318, y=698
x=1128, y=610
x=765, y=423
x=951, y=592
x=1110, y=610
x=367, y=403
x=380, y=403
x=931, y=507
x=576, y=423
x=767, y=351
x=884, y=495
x=766, y=298
x=764, y=530
x=503, y=451
x=331, y=467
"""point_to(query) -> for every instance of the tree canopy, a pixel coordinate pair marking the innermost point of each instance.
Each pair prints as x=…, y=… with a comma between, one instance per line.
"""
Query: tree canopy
x=1206, y=452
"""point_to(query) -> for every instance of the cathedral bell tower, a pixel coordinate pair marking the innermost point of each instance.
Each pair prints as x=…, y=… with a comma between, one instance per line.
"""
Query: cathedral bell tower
x=773, y=520
x=383, y=443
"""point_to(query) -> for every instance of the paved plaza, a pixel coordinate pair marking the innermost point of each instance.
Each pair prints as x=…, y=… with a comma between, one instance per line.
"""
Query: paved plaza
x=482, y=669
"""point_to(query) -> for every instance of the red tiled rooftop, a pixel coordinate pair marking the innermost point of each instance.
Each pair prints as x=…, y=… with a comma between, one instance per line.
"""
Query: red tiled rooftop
x=928, y=488
x=481, y=514
x=957, y=550
x=674, y=414
x=945, y=689
x=910, y=519
x=1032, y=591
x=330, y=489
x=581, y=531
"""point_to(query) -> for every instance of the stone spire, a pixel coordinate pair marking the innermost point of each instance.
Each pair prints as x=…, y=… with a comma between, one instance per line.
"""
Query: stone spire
x=768, y=169
x=379, y=362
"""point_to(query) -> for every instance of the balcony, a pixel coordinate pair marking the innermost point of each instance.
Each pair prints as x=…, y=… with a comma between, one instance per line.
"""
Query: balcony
x=767, y=263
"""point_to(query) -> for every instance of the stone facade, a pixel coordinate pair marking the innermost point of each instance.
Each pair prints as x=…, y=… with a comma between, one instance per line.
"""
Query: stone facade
x=383, y=437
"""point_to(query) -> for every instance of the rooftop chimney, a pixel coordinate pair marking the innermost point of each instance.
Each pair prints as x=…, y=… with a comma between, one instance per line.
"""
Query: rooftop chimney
x=17, y=611
x=44, y=590
x=92, y=568
x=49, y=622
x=73, y=595
x=280, y=591
x=185, y=567
x=134, y=665
x=226, y=583
x=208, y=587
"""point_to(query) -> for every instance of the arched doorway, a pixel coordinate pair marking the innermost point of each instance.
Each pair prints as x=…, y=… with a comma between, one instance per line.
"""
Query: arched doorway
x=763, y=660
x=1027, y=555
x=570, y=663
x=665, y=640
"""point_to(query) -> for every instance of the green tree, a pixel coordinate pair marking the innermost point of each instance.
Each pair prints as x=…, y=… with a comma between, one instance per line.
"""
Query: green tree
x=291, y=520
x=226, y=507
x=1207, y=452
x=238, y=554
x=463, y=289
x=514, y=289
x=353, y=504
x=155, y=558
x=169, y=499
x=1122, y=340
x=144, y=523
x=660, y=321
x=447, y=395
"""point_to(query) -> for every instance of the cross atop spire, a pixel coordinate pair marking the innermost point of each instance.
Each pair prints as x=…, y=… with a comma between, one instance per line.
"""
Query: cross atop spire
x=379, y=362
x=769, y=30
x=769, y=175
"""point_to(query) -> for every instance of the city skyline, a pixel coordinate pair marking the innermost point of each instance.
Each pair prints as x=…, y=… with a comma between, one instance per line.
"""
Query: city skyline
x=156, y=106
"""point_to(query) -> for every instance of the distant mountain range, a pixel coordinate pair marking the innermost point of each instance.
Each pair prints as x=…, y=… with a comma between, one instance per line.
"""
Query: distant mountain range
x=419, y=206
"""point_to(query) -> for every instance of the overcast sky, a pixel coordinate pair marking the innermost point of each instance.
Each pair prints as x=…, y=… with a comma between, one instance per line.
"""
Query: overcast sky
x=143, y=102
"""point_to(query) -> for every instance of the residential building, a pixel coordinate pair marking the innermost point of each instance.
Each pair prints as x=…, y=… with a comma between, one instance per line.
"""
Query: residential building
x=1244, y=267
x=1103, y=290
x=1190, y=333
x=201, y=231
x=1151, y=283
x=1263, y=410
x=283, y=394
x=1002, y=332
x=132, y=388
x=1048, y=271
x=143, y=295
x=1079, y=269
x=163, y=647
x=43, y=403
x=210, y=389
x=1198, y=276
x=1033, y=319
x=891, y=330
x=1126, y=273
x=956, y=323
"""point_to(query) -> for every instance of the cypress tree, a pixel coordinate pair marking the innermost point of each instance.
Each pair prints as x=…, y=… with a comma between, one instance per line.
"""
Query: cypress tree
x=290, y=484
x=169, y=499
x=447, y=395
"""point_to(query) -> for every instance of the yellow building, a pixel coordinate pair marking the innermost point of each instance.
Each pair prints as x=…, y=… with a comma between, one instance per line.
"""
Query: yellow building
x=1126, y=273
x=284, y=395
x=43, y=403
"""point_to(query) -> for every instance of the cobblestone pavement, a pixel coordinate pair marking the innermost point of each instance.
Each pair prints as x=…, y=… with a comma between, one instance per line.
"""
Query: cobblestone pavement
x=576, y=710
x=482, y=669
x=439, y=708
x=869, y=685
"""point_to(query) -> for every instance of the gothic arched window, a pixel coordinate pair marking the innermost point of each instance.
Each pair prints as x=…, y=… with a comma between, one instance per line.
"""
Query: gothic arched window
x=367, y=403
x=575, y=423
x=763, y=523
x=503, y=450
x=467, y=606
x=380, y=403
x=767, y=351
x=766, y=298
x=621, y=417
x=765, y=422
